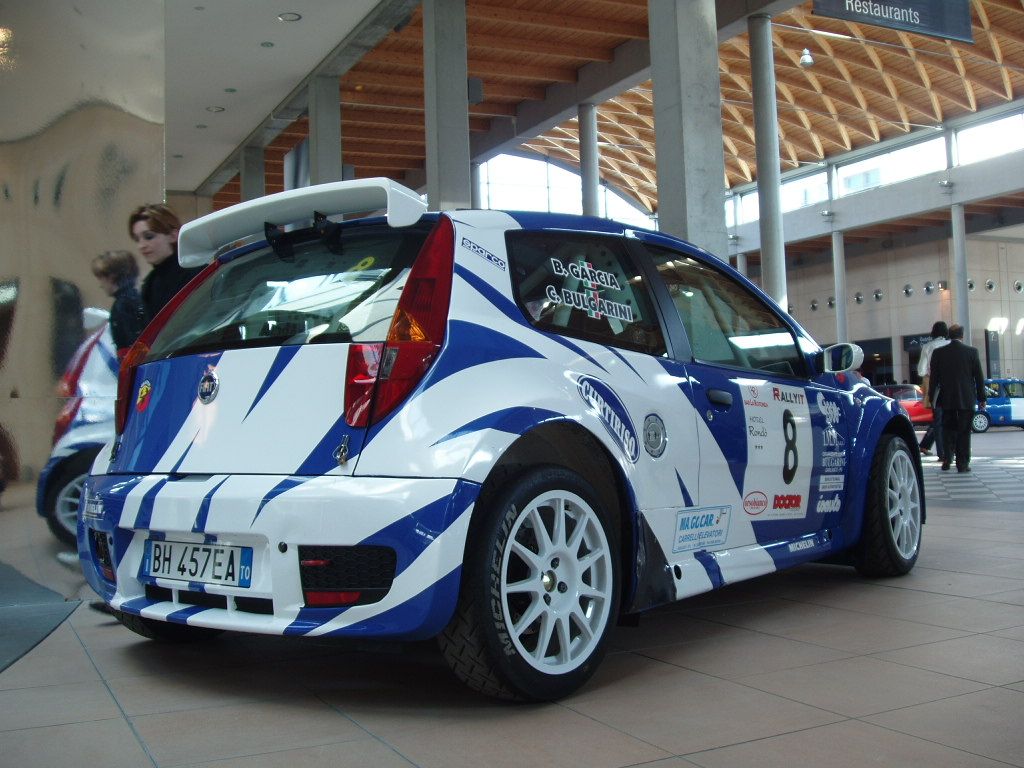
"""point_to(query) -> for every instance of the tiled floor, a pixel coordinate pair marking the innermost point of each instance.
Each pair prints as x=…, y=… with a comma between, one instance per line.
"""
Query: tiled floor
x=814, y=667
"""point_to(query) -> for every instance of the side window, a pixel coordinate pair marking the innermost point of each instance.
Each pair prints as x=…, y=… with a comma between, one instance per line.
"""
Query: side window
x=726, y=323
x=584, y=286
x=1015, y=389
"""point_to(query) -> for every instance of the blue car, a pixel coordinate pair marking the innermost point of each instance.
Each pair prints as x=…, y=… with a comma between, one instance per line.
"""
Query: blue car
x=503, y=430
x=1004, y=407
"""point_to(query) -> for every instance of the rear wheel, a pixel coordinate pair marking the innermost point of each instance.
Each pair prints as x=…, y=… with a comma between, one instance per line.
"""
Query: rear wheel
x=980, y=422
x=539, y=591
x=891, y=535
x=64, y=495
x=166, y=631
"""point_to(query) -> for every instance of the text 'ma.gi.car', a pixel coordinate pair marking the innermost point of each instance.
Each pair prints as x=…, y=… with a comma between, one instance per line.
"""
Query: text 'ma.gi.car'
x=505, y=430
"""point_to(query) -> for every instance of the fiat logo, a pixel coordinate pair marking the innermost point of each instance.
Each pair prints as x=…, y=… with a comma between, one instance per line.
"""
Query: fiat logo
x=208, y=387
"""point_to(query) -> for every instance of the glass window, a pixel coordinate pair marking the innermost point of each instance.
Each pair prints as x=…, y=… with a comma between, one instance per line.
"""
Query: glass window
x=980, y=142
x=806, y=190
x=1014, y=389
x=325, y=292
x=750, y=207
x=583, y=286
x=726, y=323
x=890, y=167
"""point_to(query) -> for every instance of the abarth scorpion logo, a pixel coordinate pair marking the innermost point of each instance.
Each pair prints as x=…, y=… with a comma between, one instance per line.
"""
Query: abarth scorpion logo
x=209, y=385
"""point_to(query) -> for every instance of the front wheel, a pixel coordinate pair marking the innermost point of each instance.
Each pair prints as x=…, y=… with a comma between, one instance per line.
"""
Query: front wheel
x=891, y=532
x=980, y=422
x=539, y=591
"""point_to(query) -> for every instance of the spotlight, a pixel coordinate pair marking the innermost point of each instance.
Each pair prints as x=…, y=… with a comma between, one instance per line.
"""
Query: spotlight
x=806, y=60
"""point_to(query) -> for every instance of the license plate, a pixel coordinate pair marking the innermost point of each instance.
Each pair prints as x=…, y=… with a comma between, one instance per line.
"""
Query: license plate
x=204, y=563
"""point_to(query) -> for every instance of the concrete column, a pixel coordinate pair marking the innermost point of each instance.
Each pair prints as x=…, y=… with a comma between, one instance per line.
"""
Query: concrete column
x=590, y=174
x=324, y=130
x=252, y=174
x=839, y=276
x=741, y=263
x=445, y=77
x=769, y=175
x=474, y=180
x=688, y=121
x=958, y=271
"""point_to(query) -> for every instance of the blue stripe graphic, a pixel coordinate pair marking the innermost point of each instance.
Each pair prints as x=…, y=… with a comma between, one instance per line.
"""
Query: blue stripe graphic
x=515, y=421
x=686, y=494
x=284, y=356
x=285, y=485
x=469, y=345
x=199, y=526
x=707, y=559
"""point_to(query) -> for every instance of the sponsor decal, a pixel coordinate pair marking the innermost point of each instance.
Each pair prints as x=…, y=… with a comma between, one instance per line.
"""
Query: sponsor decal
x=612, y=413
x=751, y=400
x=787, y=501
x=479, y=250
x=828, y=483
x=701, y=528
x=833, y=462
x=142, y=399
x=755, y=502
x=796, y=546
x=829, y=409
x=209, y=385
x=788, y=396
x=828, y=505
x=593, y=281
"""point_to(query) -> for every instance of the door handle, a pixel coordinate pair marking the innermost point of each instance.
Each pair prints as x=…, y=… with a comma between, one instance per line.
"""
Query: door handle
x=720, y=397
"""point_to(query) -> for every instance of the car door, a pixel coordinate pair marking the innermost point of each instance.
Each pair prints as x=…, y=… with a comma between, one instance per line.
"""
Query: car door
x=773, y=447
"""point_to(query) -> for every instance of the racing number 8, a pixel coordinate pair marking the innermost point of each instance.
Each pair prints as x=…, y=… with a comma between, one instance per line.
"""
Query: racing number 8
x=790, y=460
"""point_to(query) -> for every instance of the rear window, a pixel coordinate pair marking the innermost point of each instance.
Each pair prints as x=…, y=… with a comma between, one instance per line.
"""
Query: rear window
x=584, y=286
x=339, y=292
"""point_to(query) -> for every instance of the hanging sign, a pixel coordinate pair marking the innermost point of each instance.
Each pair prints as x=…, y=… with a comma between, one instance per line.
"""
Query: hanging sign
x=948, y=19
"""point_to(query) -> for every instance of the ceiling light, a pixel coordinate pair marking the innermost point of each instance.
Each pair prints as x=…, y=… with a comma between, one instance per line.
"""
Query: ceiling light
x=230, y=90
x=806, y=60
x=201, y=126
x=215, y=109
x=289, y=16
x=266, y=44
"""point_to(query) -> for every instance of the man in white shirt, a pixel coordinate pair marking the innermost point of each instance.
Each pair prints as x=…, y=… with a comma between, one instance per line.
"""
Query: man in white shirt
x=940, y=338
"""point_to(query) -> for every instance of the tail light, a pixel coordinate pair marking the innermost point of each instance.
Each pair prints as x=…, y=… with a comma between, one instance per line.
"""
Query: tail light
x=419, y=323
x=138, y=351
x=67, y=387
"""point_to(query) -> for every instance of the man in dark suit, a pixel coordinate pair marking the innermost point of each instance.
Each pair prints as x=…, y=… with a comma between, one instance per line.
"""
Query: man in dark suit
x=958, y=383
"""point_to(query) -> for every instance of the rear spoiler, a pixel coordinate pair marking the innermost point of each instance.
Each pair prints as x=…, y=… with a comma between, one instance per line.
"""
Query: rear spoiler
x=199, y=240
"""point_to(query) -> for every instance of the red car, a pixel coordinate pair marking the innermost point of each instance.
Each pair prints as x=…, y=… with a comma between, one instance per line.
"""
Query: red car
x=911, y=398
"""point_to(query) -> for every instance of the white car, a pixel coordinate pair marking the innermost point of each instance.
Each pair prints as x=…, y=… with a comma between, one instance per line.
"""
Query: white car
x=505, y=430
x=85, y=423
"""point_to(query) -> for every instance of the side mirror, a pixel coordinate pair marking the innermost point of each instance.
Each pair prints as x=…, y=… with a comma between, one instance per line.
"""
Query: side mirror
x=843, y=357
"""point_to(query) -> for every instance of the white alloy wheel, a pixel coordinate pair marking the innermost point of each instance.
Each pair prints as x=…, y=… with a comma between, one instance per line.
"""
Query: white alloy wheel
x=556, y=582
x=980, y=422
x=903, y=504
x=68, y=499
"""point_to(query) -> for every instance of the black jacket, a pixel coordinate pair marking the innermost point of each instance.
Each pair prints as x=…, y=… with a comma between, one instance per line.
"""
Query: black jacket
x=166, y=279
x=956, y=374
x=127, y=316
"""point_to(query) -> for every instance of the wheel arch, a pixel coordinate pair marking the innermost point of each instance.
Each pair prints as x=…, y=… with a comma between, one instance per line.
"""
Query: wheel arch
x=567, y=444
x=885, y=423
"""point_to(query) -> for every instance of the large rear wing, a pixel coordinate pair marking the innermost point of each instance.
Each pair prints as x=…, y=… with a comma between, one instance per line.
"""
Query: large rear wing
x=199, y=240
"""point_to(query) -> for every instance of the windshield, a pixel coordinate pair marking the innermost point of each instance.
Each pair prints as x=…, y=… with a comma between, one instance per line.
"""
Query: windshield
x=341, y=291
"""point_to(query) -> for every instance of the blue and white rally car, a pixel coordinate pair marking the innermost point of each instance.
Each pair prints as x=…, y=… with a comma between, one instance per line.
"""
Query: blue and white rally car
x=505, y=430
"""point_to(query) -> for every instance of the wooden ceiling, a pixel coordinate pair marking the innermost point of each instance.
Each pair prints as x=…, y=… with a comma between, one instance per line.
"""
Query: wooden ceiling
x=867, y=84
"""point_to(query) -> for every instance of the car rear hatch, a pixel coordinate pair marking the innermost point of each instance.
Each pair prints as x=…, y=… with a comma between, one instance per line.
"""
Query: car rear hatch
x=269, y=364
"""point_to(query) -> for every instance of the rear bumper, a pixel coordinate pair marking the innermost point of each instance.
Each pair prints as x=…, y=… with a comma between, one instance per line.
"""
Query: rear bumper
x=424, y=521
